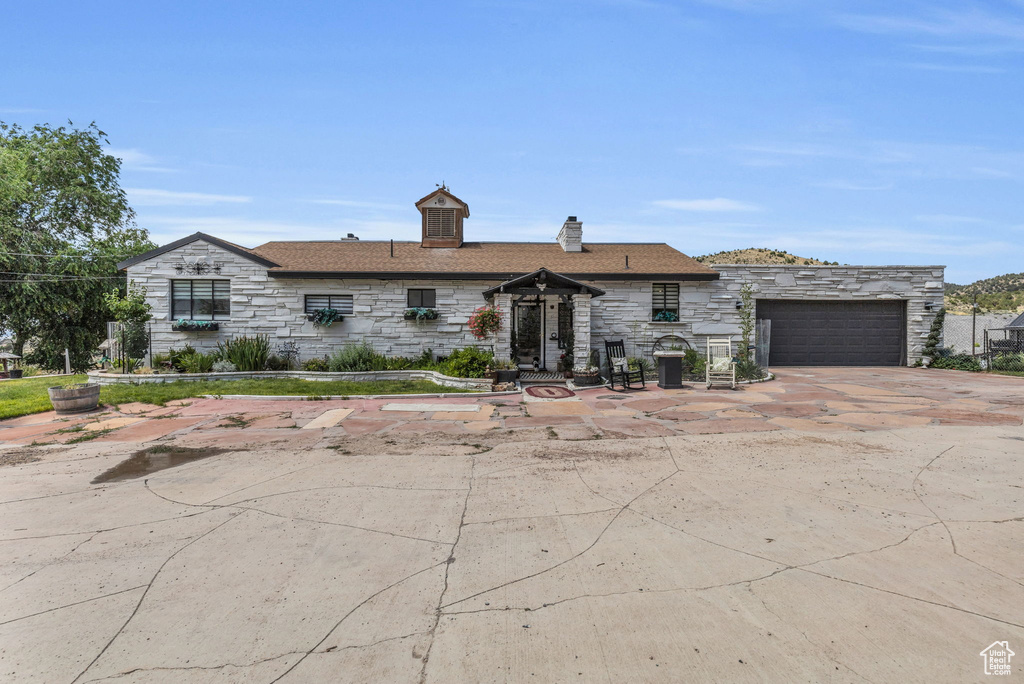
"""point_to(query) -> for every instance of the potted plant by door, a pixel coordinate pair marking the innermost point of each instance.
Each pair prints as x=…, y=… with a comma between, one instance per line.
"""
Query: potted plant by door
x=75, y=398
x=505, y=371
x=590, y=375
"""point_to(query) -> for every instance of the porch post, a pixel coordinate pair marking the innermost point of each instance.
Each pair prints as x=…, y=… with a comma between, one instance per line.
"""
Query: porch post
x=503, y=338
x=580, y=330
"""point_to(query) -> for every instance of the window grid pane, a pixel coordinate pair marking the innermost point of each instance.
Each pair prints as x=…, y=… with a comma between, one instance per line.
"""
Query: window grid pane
x=341, y=303
x=422, y=298
x=665, y=297
x=201, y=299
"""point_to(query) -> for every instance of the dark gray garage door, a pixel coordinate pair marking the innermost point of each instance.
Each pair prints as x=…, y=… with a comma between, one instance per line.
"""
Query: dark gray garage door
x=817, y=333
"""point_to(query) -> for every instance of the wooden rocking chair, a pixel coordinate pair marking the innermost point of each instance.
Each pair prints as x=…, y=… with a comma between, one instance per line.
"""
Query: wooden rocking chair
x=618, y=367
x=719, y=367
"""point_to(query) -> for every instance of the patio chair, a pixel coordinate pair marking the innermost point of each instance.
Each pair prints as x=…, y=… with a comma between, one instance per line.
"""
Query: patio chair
x=720, y=367
x=618, y=367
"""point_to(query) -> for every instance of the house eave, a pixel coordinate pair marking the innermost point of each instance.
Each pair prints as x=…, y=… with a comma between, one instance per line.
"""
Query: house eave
x=189, y=239
x=434, y=275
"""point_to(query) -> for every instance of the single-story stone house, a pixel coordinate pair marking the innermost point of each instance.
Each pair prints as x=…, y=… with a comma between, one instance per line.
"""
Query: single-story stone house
x=552, y=296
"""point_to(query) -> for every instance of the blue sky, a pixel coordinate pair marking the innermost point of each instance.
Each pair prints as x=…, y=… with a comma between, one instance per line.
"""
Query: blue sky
x=859, y=131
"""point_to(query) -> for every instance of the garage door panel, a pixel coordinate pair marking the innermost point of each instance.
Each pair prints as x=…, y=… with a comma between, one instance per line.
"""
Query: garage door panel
x=817, y=333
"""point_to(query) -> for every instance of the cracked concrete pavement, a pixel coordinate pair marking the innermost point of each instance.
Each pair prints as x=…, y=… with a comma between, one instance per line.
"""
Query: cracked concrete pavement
x=882, y=555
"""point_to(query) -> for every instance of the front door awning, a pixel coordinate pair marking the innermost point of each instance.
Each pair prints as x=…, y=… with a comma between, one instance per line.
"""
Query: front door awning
x=543, y=281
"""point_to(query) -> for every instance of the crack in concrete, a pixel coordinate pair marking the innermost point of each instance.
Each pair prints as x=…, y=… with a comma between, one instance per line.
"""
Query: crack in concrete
x=54, y=561
x=213, y=507
x=913, y=598
x=538, y=517
x=574, y=556
x=821, y=648
x=71, y=605
x=432, y=632
x=110, y=529
x=346, y=616
x=183, y=668
x=146, y=592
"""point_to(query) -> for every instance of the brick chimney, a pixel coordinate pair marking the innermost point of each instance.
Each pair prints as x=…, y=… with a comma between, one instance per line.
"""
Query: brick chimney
x=571, y=235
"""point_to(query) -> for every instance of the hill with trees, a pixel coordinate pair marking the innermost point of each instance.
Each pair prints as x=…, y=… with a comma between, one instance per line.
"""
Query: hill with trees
x=1001, y=293
x=761, y=255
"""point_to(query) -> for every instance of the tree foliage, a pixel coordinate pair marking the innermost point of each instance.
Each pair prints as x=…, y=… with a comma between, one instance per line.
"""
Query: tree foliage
x=64, y=224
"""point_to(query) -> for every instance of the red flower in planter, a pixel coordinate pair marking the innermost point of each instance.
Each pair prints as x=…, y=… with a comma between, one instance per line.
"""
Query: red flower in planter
x=485, y=321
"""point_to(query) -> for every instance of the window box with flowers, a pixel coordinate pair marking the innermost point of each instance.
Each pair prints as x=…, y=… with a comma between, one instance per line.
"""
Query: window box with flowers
x=419, y=313
x=184, y=325
x=323, y=318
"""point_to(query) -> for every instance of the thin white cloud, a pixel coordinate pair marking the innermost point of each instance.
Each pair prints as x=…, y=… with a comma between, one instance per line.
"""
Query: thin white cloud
x=715, y=204
x=955, y=68
x=968, y=23
x=133, y=159
x=148, y=197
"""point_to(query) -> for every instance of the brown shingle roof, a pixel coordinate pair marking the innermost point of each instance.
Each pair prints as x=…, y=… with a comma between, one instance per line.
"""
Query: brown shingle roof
x=479, y=259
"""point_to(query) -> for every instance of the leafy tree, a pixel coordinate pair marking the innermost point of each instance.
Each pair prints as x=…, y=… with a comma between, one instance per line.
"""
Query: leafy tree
x=132, y=313
x=64, y=224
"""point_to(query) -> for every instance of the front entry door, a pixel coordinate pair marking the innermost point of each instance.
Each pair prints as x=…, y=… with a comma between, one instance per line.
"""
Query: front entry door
x=529, y=333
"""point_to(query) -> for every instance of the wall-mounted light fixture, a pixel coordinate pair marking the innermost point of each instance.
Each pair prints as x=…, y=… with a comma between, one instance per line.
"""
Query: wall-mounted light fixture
x=928, y=306
x=739, y=303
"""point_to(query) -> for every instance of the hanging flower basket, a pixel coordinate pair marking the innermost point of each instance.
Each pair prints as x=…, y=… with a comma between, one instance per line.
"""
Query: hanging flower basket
x=323, y=318
x=484, y=322
x=182, y=325
x=420, y=313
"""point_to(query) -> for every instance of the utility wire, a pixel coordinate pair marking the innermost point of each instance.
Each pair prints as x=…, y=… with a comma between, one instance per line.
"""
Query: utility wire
x=70, y=256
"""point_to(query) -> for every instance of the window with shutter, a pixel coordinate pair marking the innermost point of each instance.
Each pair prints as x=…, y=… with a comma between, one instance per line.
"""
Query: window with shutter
x=203, y=300
x=340, y=303
x=440, y=222
x=665, y=297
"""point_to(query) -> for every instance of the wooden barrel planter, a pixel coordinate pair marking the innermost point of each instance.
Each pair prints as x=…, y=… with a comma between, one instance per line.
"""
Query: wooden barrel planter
x=75, y=398
x=587, y=378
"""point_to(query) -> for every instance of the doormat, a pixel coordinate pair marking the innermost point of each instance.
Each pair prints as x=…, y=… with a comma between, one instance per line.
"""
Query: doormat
x=549, y=392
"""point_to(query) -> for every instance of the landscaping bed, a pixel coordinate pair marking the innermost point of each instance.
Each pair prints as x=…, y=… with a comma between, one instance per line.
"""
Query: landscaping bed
x=23, y=397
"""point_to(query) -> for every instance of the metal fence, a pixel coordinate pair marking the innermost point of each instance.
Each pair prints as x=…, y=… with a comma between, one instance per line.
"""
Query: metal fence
x=965, y=334
x=1004, y=350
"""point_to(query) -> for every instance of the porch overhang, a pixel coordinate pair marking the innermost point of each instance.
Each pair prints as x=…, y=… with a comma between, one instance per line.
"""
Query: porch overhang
x=543, y=281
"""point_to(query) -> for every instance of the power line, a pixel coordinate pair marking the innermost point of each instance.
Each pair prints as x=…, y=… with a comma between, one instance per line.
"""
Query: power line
x=68, y=276
x=70, y=256
x=61, y=280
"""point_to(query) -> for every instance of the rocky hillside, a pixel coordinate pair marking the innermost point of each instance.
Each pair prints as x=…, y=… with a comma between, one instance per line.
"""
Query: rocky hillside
x=760, y=255
x=1001, y=293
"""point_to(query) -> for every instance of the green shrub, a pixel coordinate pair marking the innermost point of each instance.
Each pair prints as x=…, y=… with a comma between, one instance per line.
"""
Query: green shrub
x=197, y=362
x=470, y=362
x=749, y=369
x=224, y=367
x=960, y=362
x=693, y=362
x=276, y=363
x=247, y=353
x=637, y=362
x=174, y=357
x=316, y=365
x=1008, y=362
x=355, y=358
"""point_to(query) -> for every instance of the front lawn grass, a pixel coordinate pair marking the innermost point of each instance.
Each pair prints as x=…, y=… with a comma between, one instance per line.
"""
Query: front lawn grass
x=22, y=397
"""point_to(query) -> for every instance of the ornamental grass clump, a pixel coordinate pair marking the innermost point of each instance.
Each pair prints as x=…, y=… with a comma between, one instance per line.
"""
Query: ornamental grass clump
x=247, y=353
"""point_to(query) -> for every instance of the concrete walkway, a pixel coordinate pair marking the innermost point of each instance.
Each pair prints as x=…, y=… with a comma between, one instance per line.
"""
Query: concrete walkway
x=382, y=546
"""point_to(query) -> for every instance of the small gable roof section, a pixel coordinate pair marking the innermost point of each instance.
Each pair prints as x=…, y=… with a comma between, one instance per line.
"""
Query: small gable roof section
x=1017, y=323
x=442, y=198
x=217, y=242
x=553, y=282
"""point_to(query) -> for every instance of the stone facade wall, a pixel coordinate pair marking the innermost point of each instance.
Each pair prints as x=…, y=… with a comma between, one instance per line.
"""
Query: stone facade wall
x=709, y=308
x=275, y=307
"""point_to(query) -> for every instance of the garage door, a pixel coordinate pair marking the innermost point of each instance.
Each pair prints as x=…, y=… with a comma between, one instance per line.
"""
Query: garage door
x=817, y=333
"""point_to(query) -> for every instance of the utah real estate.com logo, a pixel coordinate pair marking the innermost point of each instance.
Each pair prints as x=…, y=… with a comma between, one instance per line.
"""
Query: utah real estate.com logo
x=997, y=658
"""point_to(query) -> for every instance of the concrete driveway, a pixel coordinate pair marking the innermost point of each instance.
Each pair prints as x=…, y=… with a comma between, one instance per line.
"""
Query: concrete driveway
x=420, y=546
